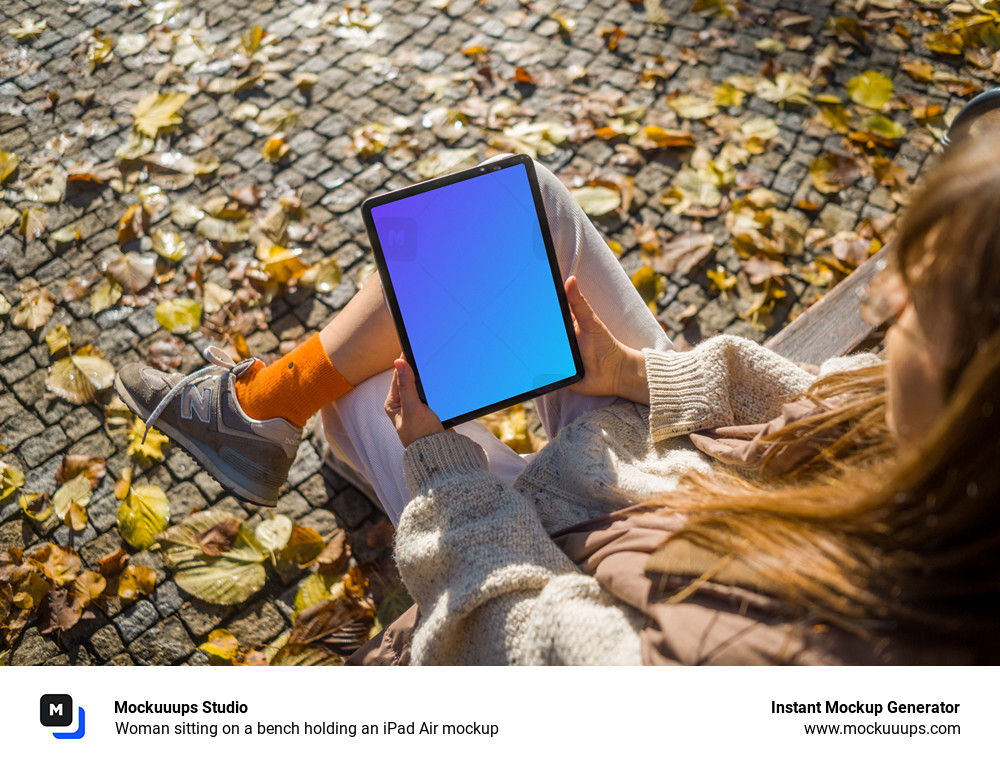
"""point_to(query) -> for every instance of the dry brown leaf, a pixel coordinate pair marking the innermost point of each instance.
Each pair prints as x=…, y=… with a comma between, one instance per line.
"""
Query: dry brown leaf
x=684, y=253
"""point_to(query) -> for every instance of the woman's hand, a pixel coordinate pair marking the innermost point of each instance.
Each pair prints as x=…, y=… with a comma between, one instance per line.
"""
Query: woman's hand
x=412, y=418
x=611, y=367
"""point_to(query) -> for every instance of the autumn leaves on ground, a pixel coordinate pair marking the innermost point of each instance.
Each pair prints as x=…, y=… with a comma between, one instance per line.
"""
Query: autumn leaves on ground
x=739, y=158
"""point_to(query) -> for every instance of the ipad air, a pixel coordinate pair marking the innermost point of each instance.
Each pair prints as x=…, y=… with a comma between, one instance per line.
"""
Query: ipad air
x=471, y=278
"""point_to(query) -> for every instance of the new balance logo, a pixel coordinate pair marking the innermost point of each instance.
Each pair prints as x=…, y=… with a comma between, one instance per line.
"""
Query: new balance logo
x=196, y=402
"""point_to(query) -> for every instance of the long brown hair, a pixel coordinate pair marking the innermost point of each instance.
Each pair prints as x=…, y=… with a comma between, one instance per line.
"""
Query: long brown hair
x=869, y=538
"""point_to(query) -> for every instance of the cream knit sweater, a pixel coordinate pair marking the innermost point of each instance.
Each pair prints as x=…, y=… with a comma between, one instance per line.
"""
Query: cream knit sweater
x=475, y=552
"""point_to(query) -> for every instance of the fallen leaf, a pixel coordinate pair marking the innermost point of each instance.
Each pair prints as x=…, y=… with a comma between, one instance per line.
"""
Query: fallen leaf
x=221, y=645
x=76, y=517
x=113, y=563
x=230, y=578
x=37, y=506
x=158, y=111
x=11, y=480
x=833, y=172
x=143, y=514
x=76, y=491
x=8, y=165
x=220, y=537
x=649, y=285
x=168, y=244
x=34, y=310
x=222, y=229
x=78, y=378
x=29, y=29
x=919, y=71
x=871, y=89
x=132, y=270
x=214, y=297
x=59, y=565
x=335, y=555
x=165, y=354
x=66, y=234
x=179, y=315
x=32, y=223
x=787, y=88
x=135, y=582
x=8, y=217
x=948, y=43
x=151, y=448
x=684, y=253
x=721, y=280
x=880, y=126
x=691, y=107
x=275, y=147
x=275, y=532
x=323, y=276
x=759, y=270
x=597, y=200
x=446, y=161
x=94, y=468
x=105, y=295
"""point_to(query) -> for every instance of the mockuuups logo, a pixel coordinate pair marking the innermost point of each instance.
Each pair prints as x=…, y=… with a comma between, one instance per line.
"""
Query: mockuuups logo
x=57, y=710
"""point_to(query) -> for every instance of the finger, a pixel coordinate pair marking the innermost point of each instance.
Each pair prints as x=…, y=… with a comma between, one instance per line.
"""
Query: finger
x=408, y=399
x=392, y=398
x=582, y=311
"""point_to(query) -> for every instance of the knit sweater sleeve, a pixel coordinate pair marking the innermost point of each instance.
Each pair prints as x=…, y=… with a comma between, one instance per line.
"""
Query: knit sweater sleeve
x=724, y=381
x=491, y=585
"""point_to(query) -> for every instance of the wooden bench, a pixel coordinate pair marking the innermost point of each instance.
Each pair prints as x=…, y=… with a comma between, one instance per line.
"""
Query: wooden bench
x=833, y=325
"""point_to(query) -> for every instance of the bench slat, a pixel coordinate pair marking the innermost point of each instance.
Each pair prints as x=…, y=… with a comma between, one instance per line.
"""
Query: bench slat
x=833, y=326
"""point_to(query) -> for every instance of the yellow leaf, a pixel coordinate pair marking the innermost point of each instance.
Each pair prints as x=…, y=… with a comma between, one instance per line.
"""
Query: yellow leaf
x=881, y=126
x=180, y=315
x=136, y=145
x=8, y=165
x=169, y=244
x=29, y=29
x=58, y=338
x=727, y=95
x=98, y=50
x=32, y=223
x=721, y=279
x=281, y=263
x=34, y=310
x=649, y=284
x=871, y=89
x=77, y=491
x=135, y=581
x=920, y=71
x=104, y=296
x=143, y=514
x=76, y=517
x=275, y=148
x=36, y=505
x=66, y=234
x=221, y=645
x=78, y=378
x=787, y=88
x=8, y=217
x=692, y=107
x=11, y=480
x=152, y=448
x=323, y=276
x=948, y=43
x=158, y=111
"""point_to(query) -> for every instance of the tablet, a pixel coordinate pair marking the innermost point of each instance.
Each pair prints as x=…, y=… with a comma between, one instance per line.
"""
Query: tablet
x=471, y=278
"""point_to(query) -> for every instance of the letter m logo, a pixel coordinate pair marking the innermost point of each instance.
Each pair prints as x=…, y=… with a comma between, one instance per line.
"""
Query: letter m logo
x=56, y=710
x=196, y=402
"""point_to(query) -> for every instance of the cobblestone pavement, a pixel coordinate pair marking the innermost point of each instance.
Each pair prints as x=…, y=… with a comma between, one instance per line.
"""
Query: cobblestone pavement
x=401, y=68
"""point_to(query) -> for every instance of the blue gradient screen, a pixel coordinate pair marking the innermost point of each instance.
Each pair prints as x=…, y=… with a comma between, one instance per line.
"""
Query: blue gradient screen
x=475, y=290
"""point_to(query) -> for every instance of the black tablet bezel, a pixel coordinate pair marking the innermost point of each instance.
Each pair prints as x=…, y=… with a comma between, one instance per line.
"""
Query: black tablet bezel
x=390, y=295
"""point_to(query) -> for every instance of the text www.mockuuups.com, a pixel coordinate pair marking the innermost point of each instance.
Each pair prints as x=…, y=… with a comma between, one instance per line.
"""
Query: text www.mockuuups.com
x=903, y=729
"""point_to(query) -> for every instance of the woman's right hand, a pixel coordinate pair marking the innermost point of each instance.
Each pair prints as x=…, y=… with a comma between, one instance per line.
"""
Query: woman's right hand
x=411, y=418
x=611, y=367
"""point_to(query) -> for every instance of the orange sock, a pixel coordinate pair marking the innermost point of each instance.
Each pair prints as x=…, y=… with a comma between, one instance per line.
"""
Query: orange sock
x=300, y=383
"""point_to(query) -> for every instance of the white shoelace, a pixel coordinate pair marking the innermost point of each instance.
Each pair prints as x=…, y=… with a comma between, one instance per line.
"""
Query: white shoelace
x=219, y=359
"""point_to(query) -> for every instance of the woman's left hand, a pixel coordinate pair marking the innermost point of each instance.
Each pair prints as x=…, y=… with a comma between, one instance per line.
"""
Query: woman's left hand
x=412, y=418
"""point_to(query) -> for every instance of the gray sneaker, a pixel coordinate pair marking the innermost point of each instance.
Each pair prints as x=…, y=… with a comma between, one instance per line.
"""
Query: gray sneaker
x=200, y=412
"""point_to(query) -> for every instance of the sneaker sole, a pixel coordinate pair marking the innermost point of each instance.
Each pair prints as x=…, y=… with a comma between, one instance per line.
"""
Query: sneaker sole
x=206, y=457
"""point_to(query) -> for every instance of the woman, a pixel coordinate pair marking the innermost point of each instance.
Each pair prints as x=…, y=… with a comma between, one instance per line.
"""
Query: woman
x=858, y=525
x=887, y=553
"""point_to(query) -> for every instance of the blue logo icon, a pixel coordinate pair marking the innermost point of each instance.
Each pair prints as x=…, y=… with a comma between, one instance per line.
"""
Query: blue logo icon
x=57, y=710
